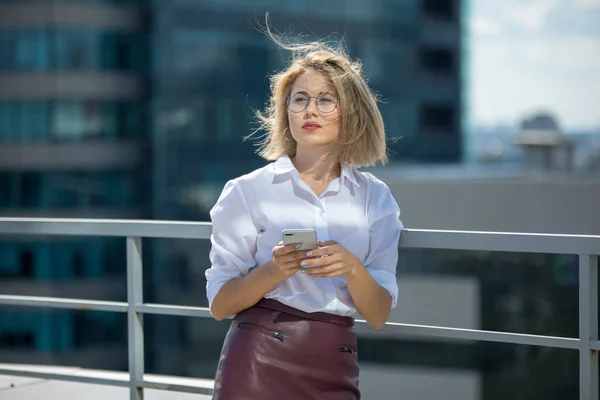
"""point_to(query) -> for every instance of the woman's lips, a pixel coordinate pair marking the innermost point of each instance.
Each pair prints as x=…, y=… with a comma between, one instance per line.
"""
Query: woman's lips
x=311, y=126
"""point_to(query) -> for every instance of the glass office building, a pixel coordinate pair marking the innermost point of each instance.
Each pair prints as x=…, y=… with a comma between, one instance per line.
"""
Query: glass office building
x=212, y=63
x=73, y=127
x=210, y=74
x=138, y=109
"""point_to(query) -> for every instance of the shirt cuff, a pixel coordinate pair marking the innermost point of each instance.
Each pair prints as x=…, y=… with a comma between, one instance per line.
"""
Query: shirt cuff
x=388, y=281
x=212, y=289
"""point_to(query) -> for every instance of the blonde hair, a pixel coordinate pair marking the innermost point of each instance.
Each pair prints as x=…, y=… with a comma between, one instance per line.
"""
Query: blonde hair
x=361, y=141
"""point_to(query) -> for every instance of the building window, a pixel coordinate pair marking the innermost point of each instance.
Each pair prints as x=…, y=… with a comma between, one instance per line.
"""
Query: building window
x=77, y=264
x=93, y=189
x=181, y=273
x=5, y=190
x=71, y=49
x=439, y=61
x=59, y=190
x=79, y=331
x=439, y=9
x=81, y=119
x=113, y=256
x=438, y=117
x=70, y=120
x=17, y=340
x=30, y=190
x=26, y=264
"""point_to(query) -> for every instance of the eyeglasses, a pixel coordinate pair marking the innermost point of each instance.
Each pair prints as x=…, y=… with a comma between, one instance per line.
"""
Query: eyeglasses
x=326, y=103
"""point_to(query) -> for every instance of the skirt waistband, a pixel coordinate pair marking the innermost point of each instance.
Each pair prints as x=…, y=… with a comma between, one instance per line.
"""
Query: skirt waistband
x=315, y=316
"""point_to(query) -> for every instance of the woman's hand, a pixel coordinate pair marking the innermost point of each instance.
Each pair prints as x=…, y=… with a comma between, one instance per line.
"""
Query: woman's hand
x=286, y=260
x=337, y=261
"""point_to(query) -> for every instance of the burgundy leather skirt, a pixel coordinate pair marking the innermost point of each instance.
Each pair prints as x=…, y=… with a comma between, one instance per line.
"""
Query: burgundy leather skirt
x=273, y=351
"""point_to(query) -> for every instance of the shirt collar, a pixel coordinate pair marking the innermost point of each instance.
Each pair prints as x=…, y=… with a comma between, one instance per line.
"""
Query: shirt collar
x=284, y=165
x=348, y=173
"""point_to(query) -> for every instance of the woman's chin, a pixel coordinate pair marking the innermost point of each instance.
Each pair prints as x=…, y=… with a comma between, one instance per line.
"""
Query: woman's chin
x=315, y=143
x=315, y=139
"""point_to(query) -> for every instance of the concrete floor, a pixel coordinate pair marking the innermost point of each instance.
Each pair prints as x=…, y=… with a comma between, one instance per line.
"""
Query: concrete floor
x=26, y=388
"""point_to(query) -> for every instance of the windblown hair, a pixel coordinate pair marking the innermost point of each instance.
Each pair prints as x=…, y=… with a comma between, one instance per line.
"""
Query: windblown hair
x=361, y=140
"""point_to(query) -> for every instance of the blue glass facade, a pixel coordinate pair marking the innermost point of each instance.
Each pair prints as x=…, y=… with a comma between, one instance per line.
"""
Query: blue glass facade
x=211, y=64
x=59, y=263
x=70, y=190
x=206, y=66
x=49, y=118
x=210, y=74
x=58, y=331
x=71, y=49
x=99, y=2
x=28, y=121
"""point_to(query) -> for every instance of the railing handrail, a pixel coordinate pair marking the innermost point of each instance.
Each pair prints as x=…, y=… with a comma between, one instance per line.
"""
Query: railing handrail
x=586, y=247
x=410, y=238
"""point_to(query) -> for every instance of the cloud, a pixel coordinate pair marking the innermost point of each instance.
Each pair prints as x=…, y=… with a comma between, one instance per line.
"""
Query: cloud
x=532, y=14
x=574, y=19
x=510, y=77
x=484, y=27
x=563, y=54
x=534, y=54
x=588, y=3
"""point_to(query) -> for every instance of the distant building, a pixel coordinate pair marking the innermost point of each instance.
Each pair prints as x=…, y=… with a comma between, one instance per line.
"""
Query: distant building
x=545, y=146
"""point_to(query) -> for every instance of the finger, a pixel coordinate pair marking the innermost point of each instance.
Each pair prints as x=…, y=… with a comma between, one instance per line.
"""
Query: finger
x=325, y=272
x=294, y=257
x=317, y=262
x=322, y=251
x=326, y=243
x=281, y=251
x=326, y=275
x=290, y=266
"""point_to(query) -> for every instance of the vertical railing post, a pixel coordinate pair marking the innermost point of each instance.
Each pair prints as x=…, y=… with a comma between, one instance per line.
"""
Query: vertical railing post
x=588, y=327
x=135, y=326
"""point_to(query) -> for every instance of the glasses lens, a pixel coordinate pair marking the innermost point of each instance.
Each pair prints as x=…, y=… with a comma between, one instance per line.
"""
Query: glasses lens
x=327, y=103
x=298, y=103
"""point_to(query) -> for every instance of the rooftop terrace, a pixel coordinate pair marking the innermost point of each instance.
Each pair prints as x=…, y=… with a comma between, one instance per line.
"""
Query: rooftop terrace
x=21, y=382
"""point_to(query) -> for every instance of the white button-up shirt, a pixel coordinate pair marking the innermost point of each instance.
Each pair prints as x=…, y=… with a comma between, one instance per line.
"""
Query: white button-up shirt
x=357, y=210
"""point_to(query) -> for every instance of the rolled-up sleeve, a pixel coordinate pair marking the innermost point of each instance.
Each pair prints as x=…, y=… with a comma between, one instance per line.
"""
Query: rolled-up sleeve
x=233, y=240
x=384, y=234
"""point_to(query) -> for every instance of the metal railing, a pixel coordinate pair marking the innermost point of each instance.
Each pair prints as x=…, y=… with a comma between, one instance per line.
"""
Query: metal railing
x=587, y=247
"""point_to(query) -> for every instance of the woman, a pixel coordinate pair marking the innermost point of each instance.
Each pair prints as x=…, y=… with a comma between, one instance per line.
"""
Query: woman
x=293, y=332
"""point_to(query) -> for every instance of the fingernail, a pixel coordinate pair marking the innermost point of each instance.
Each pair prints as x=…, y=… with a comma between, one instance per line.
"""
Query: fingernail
x=309, y=254
x=299, y=245
x=303, y=263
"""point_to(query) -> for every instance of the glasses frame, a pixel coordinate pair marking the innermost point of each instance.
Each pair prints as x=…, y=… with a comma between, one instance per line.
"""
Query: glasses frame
x=287, y=100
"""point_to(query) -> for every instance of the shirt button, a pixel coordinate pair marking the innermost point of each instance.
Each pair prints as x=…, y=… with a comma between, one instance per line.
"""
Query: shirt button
x=322, y=213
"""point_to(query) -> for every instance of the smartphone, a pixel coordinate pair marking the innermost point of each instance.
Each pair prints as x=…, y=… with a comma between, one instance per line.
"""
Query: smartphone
x=307, y=237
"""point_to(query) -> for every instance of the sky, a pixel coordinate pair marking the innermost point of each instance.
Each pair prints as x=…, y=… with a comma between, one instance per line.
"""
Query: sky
x=529, y=56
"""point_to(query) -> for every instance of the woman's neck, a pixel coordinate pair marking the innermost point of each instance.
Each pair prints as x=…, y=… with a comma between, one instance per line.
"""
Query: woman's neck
x=319, y=168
